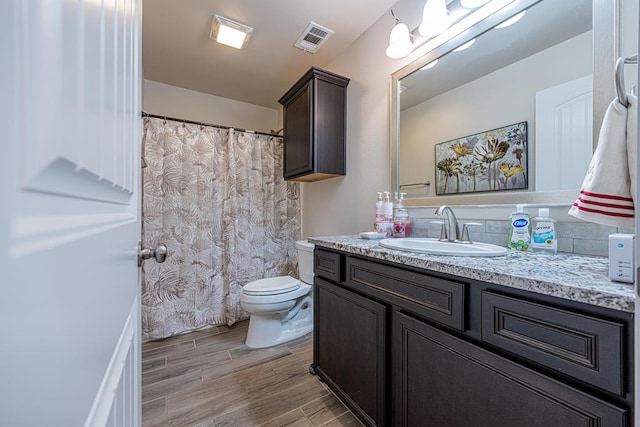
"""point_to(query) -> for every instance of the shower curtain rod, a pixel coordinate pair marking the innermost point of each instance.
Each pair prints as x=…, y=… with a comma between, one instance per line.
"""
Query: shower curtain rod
x=206, y=124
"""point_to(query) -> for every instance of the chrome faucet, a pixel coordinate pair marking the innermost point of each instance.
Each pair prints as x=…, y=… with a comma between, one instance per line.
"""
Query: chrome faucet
x=450, y=226
x=450, y=231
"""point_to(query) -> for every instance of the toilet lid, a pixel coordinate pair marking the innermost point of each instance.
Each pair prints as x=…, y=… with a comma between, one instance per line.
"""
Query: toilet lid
x=271, y=286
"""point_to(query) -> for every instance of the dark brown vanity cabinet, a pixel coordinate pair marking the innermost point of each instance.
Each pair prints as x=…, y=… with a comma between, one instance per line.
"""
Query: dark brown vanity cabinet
x=315, y=127
x=441, y=380
x=350, y=341
x=408, y=347
x=351, y=348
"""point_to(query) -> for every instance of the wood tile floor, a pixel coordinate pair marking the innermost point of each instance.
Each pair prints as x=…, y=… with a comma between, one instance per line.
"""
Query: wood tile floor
x=209, y=378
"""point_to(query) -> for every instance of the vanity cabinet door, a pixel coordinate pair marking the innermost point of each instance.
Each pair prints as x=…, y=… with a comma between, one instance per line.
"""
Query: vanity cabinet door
x=442, y=381
x=349, y=352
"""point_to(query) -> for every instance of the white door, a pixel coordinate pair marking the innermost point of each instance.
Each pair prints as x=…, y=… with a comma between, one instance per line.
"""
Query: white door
x=69, y=216
x=563, y=134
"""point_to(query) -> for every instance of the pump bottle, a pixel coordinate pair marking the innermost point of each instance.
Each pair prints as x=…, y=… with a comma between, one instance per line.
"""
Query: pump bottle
x=520, y=225
x=384, y=217
x=544, y=232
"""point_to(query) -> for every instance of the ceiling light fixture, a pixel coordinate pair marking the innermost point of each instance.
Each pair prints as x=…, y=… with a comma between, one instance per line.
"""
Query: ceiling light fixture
x=511, y=20
x=399, y=41
x=229, y=32
x=472, y=4
x=435, y=18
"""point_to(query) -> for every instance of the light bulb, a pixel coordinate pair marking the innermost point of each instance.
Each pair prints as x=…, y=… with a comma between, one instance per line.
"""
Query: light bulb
x=399, y=41
x=435, y=18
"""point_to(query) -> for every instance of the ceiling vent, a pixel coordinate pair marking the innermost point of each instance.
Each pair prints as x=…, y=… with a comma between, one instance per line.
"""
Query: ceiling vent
x=313, y=37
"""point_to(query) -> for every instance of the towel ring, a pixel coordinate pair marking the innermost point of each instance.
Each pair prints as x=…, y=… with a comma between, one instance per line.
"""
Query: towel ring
x=620, y=89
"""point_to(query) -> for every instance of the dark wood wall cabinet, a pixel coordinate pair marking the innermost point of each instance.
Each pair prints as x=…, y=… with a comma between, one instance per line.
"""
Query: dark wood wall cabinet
x=403, y=346
x=315, y=127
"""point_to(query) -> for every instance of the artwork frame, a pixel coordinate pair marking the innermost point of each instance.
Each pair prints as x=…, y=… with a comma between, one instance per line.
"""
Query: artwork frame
x=493, y=160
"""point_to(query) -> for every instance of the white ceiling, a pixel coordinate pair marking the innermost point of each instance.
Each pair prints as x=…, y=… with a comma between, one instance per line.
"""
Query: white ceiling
x=177, y=50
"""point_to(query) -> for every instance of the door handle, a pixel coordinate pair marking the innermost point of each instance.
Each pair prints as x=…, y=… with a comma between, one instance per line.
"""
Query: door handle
x=159, y=253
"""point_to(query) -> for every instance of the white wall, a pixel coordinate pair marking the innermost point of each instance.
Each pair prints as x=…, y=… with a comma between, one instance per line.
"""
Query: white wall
x=166, y=100
x=346, y=205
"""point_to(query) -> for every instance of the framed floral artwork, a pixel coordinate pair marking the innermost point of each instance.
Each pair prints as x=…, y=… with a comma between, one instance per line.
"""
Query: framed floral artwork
x=494, y=160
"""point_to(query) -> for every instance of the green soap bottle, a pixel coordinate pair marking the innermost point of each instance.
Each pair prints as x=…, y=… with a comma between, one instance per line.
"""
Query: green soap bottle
x=520, y=229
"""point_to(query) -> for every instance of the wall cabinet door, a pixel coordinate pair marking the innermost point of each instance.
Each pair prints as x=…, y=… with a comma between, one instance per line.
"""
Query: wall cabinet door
x=315, y=127
x=441, y=380
x=298, y=154
x=350, y=347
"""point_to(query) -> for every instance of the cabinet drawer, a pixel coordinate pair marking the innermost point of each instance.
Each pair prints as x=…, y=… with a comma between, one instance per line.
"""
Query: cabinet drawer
x=587, y=348
x=430, y=297
x=328, y=265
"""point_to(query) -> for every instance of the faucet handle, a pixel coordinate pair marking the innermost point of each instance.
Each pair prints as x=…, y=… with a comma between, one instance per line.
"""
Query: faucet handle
x=443, y=230
x=465, y=231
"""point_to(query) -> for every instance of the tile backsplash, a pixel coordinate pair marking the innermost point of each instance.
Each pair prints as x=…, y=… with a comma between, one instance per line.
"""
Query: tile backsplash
x=574, y=237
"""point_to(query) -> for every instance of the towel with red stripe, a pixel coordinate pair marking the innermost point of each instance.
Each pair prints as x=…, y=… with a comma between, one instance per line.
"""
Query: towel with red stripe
x=608, y=189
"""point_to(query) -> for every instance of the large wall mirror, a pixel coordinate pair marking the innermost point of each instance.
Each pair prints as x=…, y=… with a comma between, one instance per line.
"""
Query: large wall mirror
x=540, y=70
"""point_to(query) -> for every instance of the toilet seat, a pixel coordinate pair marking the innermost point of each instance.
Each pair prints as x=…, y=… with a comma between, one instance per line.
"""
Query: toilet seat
x=271, y=286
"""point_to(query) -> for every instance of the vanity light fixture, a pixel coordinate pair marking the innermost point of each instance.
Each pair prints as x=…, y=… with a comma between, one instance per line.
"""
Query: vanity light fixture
x=400, y=40
x=511, y=20
x=402, y=44
x=229, y=32
x=435, y=18
x=472, y=4
x=465, y=46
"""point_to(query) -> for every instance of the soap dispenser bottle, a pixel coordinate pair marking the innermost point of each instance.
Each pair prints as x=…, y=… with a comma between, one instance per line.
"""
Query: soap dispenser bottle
x=384, y=220
x=544, y=232
x=379, y=208
x=388, y=206
x=401, y=223
x=399, y=202
x=520, y=229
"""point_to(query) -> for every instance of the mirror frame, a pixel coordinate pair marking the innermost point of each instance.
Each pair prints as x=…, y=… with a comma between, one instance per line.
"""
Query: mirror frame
x=605, y=39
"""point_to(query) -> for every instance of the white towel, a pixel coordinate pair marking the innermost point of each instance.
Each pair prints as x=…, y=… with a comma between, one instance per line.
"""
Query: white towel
x=608, y=189
x=632, y=140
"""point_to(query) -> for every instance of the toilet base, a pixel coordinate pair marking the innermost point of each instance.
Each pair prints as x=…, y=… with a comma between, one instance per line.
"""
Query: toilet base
x=267, y=330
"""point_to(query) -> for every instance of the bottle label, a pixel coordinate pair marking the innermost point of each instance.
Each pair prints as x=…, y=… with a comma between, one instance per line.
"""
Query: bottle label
x=384, y=227
x=520, y=223
x=543, y=234
x=401, y=228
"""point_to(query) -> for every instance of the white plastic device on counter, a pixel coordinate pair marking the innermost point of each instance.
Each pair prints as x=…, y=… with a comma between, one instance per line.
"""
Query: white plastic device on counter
x=621, y=258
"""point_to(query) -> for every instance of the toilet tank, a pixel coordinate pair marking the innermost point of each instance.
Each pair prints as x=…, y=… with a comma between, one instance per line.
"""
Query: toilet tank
x=305, y=261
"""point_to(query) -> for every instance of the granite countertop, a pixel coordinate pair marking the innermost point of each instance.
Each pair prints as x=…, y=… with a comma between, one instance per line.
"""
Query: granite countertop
x=569, y=276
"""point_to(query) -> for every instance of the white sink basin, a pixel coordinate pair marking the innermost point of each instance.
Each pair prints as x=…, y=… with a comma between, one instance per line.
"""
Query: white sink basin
x=436, y=247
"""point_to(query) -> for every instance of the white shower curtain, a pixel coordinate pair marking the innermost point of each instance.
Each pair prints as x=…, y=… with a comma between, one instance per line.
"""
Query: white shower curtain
x=217, y=199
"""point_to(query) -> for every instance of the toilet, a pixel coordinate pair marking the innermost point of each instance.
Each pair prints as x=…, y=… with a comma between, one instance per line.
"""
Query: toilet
x=280, y=308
